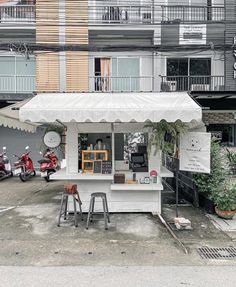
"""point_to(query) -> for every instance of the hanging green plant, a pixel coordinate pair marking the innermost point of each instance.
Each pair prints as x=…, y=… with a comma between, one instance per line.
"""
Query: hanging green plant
x=165, y=136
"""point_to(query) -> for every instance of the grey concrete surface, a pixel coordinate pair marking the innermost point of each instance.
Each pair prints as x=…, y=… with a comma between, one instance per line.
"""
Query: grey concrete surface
x=138, y=276
x=29, y=235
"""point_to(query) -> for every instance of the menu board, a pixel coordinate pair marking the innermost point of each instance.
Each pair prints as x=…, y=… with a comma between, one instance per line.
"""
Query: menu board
x=97, y=166
x=106, y=167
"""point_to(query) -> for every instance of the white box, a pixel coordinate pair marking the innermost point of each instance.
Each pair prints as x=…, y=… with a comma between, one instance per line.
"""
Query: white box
x=121, y=165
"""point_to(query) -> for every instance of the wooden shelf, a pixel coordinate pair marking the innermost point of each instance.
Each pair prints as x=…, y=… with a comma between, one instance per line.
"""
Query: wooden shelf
x=101, y=153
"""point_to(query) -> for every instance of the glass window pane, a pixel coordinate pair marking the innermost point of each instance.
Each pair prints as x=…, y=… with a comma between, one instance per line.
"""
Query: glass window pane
x=125, y=73
x=177, y=67
x=7, y=65
x=200, y=67
x=24, y=66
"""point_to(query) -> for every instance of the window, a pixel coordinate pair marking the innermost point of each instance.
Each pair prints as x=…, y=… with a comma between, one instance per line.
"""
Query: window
x=189, y=73
x=116, y=74
x=225, y=133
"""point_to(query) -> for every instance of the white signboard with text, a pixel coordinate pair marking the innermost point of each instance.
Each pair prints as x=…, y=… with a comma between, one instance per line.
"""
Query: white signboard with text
x=195, y=152
x=192, y=34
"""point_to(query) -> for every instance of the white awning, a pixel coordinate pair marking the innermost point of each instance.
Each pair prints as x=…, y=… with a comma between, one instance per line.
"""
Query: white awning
x=9, y=117
x=111, y=107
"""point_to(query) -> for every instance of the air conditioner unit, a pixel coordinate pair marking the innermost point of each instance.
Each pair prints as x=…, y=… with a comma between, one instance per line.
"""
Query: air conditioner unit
x=200, y=87
x=171, y=86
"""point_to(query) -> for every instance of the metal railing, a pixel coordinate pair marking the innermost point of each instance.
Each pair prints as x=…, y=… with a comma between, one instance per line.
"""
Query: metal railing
x=192, y=13
x=17, y=13
x=121, y=14
x=121, y=84
x=17, y=84
x=192, y=83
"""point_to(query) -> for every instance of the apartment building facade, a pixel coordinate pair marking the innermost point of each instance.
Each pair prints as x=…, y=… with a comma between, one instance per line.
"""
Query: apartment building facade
x=120, y=46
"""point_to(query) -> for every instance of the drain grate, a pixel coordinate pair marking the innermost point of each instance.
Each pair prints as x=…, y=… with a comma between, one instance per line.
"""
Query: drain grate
x=217, y=253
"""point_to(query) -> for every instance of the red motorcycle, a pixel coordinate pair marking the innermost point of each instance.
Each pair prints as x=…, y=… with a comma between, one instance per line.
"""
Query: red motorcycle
x=49, y=164
x=5, y=165
x=24, y=167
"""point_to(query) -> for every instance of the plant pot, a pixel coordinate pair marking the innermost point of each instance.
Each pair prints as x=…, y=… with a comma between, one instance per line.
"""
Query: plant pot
x=226, y=214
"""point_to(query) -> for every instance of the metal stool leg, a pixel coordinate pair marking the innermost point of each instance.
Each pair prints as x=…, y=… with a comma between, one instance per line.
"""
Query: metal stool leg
x=89, y=212
x=80, y=211
x=108, y=215
x=66, y=204
x=75, y=213
x=104, y=212
x=92, y=212
x=60, y=213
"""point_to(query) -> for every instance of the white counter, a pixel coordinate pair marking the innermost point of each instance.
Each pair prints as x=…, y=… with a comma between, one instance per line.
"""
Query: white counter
x=121, y=197
x=136, y=187
x=62, y=175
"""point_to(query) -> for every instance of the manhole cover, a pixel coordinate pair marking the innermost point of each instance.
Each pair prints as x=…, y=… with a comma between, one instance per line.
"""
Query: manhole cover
x=217, y=253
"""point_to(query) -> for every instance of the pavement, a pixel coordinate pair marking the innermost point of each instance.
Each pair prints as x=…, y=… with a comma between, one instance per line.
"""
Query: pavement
x=30, y=237
x=138, y=276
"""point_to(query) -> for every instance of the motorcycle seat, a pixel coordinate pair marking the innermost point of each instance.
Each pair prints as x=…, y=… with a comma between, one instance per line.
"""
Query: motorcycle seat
x=44, y=161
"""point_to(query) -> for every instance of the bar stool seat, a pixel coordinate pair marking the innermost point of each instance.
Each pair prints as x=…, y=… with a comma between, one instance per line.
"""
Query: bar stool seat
x=70, y=190
x=105, y=212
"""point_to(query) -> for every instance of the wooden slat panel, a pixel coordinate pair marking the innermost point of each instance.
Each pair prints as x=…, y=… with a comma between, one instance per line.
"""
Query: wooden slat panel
x=77, y=66
x=76, y=22
x=77, y=71
x=47, y=21
x=47, y=32
x=47, y=72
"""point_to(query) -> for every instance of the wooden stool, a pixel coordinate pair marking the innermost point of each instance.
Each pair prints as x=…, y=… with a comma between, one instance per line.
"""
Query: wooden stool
x=91, y=212
x=70, y=190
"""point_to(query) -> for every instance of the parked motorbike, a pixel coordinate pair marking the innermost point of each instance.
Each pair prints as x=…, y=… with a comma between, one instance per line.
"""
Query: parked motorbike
x=49, y=164
x=24, y=167
x=5, y=165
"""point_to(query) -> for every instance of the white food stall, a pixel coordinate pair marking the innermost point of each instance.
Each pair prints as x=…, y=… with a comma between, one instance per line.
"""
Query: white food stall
x=98, y=114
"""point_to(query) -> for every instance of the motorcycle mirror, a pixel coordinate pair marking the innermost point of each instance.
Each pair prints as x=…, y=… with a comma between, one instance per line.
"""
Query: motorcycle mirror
x=27, y=147
x=4, y=148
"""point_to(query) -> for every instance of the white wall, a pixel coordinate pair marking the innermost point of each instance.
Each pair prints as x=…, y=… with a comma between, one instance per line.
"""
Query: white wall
x=16, y=141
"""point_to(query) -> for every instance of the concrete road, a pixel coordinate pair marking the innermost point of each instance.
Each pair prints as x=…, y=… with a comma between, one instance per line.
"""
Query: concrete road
x=118, y=276
x=29, y=235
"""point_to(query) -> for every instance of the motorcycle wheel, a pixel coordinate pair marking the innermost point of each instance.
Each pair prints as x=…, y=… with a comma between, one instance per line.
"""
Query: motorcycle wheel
x=22, y=177
x=11, y=175
x=34, y=173
x=46, y=178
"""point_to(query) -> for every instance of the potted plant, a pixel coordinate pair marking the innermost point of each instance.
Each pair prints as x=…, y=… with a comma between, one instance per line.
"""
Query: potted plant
x=208, y=184
x=225, y=201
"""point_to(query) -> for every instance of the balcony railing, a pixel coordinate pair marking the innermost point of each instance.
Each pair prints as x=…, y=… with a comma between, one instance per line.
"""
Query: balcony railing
x=192, y=13
x=17, y=13
x=121, y=84
x=17, y=84
x=192, y=83
x=121, y=14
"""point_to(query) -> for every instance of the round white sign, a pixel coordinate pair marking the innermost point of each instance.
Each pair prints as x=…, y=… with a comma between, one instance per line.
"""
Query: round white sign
x=52, y=139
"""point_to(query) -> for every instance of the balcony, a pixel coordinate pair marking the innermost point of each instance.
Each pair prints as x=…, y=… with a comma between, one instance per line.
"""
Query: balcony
x=183, y=14
x=192, y=83
x=17, y=14
x=17, y=84
x=121, y=14
x=121, y=84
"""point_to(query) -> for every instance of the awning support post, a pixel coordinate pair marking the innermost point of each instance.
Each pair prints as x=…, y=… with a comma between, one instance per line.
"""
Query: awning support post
x=113, y=148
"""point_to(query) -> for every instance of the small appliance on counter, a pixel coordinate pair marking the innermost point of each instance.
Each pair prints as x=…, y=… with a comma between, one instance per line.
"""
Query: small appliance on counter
x=119, y=178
